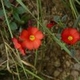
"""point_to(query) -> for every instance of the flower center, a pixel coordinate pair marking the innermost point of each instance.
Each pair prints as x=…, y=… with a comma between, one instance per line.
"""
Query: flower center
x=70, y=38
x=32, y=37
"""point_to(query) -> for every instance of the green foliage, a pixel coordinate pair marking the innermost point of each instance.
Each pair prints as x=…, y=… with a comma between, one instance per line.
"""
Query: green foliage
x=7, y=3
x=64, y=18
x=60, y=20
x=20, y=10
x=17, y=12
x=1, y=13
x=56, y=19
x=13, y=26
x=16, y=15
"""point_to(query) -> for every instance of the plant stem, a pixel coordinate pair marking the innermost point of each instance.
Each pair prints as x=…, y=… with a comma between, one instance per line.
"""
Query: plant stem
x=35, y=61
x=74, y=10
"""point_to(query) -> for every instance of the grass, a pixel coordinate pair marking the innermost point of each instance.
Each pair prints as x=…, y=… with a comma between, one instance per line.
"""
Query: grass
x=39, y=20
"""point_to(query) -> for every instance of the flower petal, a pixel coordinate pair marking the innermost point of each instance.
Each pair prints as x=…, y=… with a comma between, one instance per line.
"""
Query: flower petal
x=27, y=44
x=51, y=24
x=16, y=43
x=23, y=34
x=22, y=51
x=32, y=30
x=39, y=35
x=18, y=46
x=36, y=44
x=70, y=32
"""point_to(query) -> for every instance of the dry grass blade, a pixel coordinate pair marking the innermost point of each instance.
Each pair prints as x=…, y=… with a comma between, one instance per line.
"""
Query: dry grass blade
x=28, y=64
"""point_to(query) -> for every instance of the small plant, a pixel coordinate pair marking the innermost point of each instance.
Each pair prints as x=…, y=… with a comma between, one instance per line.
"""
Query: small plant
x=28, y=39
x=24, y=33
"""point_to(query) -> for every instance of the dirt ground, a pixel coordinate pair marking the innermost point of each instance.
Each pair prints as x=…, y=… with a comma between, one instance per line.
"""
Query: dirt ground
x=53, y=62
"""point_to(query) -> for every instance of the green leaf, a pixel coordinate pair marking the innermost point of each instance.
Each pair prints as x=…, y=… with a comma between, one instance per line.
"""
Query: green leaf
x=7, y=3
x=64, y=18
x=16, y=15
x=64, y=25
x=13, y=26
x=20, y=10
x=26, y=18
x=1, y=13
x=56, y=19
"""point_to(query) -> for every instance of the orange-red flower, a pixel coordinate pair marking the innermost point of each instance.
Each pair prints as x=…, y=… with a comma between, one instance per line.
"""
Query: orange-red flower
x=51, y=24
x=70, y=35
x=31, y=38
x=17, y=45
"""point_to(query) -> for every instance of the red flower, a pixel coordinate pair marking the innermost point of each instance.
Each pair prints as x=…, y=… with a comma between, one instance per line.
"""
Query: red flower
x=31, y=38
x=18, y=45
x=70, y=35
x=51, y=24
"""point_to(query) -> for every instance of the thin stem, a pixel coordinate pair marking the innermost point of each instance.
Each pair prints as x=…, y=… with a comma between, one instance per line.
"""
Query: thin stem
x=78, y=2
x=72, y=5
x=34, y=74
x=37, y=13
x=35, y=61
